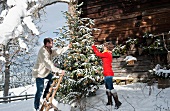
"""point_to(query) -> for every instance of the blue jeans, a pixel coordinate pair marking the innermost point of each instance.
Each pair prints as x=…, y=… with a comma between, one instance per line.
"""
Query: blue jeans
x=108, y=80
x=40, y=87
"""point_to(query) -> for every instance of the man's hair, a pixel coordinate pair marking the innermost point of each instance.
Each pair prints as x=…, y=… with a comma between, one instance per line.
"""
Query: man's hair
x=109, y=46
x=46, y=40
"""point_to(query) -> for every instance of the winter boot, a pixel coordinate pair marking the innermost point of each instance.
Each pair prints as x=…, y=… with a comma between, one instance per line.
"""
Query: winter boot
x=109, y=97
x=115, y=97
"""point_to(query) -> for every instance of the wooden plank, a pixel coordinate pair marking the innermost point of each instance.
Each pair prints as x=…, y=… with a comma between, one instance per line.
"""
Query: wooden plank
x=126, y=80
x=134, y=32
x=123, y=78
x=127, y=7
x=123, y=33
x=132, y=16
x=152, y=17
x=123, y=25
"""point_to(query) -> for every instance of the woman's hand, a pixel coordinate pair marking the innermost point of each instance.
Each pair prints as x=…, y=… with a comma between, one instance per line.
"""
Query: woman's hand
x=70, y=45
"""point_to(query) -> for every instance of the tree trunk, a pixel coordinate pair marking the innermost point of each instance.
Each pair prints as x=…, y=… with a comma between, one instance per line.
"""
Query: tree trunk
x=7, y=80
x=7, y=73
x=168, y=57
x=3, y=4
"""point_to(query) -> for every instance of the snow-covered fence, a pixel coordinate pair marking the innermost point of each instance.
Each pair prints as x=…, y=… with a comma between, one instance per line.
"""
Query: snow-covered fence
x=9, y=99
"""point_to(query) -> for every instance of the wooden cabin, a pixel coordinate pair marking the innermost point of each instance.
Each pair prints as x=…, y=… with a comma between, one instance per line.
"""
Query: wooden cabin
x=119, y=20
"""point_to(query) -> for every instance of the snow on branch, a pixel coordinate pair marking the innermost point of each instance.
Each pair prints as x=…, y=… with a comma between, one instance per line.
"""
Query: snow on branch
x=2, y=59
x=12, y=20
x=20, y=13
x=28, y=21
x=22, y=44
x=161, y=72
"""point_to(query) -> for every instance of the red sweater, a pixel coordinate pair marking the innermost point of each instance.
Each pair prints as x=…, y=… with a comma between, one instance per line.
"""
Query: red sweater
x=107, y=61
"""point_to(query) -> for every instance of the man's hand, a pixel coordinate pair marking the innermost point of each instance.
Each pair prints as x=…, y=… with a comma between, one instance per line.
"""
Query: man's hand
x=63, y=72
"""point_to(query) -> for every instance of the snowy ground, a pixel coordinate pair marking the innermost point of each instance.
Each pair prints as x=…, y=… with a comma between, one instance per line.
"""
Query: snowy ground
x=134, y=97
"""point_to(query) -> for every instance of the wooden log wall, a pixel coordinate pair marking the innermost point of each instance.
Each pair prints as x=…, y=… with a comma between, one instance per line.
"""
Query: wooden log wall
x=120, y=19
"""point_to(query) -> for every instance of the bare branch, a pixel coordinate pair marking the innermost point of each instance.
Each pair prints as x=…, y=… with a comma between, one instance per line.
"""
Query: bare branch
x=53, y=2
x=128, y=102
x=159, y=93
x=3, y=1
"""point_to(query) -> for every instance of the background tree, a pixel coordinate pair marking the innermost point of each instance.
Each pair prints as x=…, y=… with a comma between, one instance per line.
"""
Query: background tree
x=19, y=33
x=18, y=63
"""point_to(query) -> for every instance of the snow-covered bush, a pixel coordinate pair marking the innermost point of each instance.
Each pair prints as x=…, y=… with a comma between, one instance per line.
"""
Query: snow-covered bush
x=161, y=72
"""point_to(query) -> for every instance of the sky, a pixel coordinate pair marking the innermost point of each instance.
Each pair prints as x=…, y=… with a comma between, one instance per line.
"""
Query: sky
x=53, y=19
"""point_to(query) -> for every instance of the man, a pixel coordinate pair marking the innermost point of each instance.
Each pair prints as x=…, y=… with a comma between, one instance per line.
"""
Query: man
x=108, y=73
x=43, y=67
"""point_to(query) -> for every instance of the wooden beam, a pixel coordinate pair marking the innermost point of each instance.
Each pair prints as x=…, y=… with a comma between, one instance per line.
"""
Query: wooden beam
x=114, y=18
x=131, y=6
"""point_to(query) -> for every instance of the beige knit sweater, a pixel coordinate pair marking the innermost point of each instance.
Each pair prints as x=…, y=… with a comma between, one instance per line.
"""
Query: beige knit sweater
x=44, y=63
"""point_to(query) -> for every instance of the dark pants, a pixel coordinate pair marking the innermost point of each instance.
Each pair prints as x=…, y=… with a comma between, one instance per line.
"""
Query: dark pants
x=40, y=87
x=108, y=80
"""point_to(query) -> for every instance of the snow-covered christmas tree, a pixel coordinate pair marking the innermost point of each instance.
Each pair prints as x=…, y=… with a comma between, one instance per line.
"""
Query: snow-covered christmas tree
x=83, y=68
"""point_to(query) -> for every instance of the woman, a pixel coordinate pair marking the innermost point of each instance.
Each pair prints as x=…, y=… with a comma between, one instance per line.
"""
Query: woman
x=108, y=73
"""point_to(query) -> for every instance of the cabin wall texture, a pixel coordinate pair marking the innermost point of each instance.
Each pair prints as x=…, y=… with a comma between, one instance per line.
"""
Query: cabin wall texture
x=120, y=19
